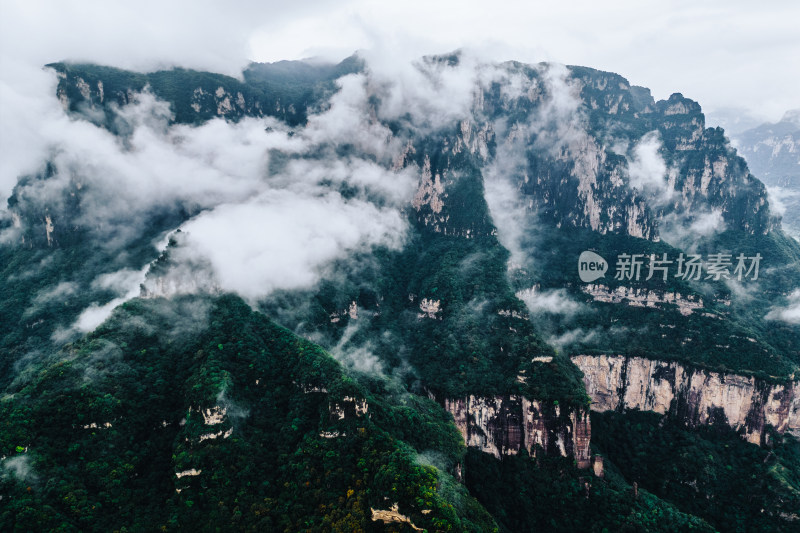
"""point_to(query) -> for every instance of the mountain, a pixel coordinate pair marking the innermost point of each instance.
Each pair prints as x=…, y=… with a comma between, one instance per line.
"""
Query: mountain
x=377, y=297
x=772, y=152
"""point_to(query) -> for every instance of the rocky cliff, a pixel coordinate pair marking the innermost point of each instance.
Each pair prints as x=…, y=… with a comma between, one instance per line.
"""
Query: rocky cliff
x=694, y=396
x=569, y=139
x=504, y=425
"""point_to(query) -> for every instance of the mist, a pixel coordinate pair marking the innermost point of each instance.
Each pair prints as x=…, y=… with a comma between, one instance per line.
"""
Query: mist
x=790, y=313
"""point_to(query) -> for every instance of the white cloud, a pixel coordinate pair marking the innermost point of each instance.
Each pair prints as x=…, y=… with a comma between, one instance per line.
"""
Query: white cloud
x=779, y=196
x=706, y=224
x=126, y=282
x=61, y=291
x=205, y=36
x=276, y=230
x=256, y=230
x=124, y=279
x=790, y=313
x=19, y=466
x=555, y=125
x=679, y=50
x=573, y=336
x=683, y=229
x=434, y=94
x=682, y=49
x=647, y=169
x=282, y=238
x=552, y=301
x=145, y=35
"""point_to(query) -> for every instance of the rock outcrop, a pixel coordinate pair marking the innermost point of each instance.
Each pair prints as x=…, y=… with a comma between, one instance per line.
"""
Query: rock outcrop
x=697, y=397
x=504, y=425
x=638, y=297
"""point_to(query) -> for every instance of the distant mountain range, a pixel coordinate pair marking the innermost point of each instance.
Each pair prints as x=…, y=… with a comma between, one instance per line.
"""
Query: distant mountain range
x=772, y=152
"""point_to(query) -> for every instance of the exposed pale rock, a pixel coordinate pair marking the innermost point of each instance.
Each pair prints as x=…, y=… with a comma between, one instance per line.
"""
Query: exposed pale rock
x=197, y=94
x=218, y=434
x=697, y=397
x=214, y=415
x=643, y=297
x=84, y=88
x=597, y=466
x=430, y=190
x=401, y=159
x=678, y=108
x=224, y=105
x=509, y=313
x=393, y=516
x=503, y=425
x=95, y=425
x=349, y=406
x=190, y=472
x=351, y=311
x=429, y=308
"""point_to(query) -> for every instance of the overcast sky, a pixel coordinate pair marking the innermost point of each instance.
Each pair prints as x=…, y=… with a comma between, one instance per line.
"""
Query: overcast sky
x=723, y=53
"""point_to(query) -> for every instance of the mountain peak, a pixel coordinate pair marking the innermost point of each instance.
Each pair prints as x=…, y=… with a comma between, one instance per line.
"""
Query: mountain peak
x=792, y=116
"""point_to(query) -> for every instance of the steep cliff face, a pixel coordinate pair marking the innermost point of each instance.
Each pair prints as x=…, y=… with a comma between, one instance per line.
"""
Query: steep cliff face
x=504, y=425
x=696, y=397
x=567, y=137
x=702, y=170
x=581, y=165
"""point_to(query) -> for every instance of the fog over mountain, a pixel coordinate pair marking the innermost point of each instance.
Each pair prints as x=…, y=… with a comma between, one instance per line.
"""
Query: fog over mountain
x=434, y=282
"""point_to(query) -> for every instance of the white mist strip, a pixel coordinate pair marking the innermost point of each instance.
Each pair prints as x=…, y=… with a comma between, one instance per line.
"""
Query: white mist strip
x=96, y=314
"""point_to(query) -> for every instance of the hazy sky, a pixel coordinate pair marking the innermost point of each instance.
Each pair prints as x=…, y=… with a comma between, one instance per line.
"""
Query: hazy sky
x=723, y=53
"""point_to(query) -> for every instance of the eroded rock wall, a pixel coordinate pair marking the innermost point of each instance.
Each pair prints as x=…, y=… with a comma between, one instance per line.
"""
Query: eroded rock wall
x=697, y=397
x=504, y=425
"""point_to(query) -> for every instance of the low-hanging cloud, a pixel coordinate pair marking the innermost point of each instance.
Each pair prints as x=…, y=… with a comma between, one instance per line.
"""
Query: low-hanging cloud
x=19, y=467
x=571, y=337
x=556, y=302
x=789, y=313
x=281, y=239
x=431, y=93
x=646, y=167
x=777, y=196
x=553, y=125
x=253, y=227
x=508, y=213
x=59, y=292
x=683, y=229
x=358, y=357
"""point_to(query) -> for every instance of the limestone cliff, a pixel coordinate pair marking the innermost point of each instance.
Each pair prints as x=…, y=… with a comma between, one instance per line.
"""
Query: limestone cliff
x=696, y=397
x=504, y=425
